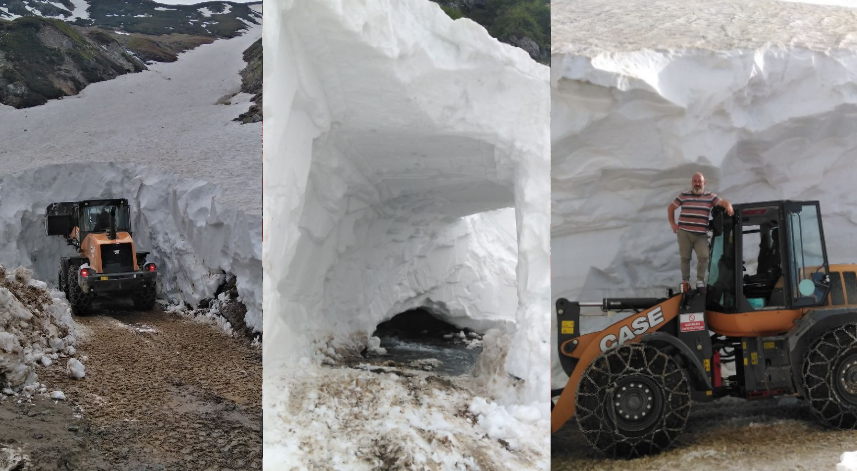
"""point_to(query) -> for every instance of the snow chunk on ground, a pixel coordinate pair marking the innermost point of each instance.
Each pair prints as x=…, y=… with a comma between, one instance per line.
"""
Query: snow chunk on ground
x=375, y=346
x=75, y=368
x=59, y=395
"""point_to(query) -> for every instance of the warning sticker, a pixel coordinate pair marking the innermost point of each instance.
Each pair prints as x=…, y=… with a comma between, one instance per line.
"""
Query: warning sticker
x=567, y=327
x=692, y=322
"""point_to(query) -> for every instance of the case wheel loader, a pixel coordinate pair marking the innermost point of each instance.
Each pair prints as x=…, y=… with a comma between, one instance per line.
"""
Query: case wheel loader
x=108, y=263
x=774, y=320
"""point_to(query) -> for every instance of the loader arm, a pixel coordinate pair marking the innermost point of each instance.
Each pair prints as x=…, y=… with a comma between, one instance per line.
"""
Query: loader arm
x=591, y=345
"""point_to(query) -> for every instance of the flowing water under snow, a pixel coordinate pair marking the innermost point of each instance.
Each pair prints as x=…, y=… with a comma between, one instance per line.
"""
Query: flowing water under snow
x=456, y=358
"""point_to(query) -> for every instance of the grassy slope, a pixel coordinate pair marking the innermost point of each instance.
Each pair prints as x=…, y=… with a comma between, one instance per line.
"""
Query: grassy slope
x=31, y=72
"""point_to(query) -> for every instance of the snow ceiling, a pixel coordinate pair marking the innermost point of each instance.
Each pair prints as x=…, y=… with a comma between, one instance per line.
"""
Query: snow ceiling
x=758, y=95
x=392, y=130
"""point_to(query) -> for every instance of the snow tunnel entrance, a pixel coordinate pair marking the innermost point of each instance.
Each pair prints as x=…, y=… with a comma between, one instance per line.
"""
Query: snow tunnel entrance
x=419, y=339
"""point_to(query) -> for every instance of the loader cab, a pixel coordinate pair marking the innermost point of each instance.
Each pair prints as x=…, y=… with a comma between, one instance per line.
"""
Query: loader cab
x=76, y=220
x=768, y=256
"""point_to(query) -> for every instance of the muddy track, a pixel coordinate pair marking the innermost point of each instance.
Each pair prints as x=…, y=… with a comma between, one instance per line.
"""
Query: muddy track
x=730, y=434
x=165, y=393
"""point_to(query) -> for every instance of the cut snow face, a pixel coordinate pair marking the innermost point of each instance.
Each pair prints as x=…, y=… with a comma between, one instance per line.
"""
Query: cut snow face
x=418, y=339
x=401, y=136
x=763, y=105
x=194, y=240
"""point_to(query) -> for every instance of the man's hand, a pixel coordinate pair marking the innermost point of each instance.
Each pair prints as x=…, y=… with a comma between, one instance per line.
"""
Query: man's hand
x=671, y=214
x=728, y=207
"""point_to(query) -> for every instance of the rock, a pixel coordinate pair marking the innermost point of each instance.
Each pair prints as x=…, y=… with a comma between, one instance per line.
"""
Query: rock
x=528, y=45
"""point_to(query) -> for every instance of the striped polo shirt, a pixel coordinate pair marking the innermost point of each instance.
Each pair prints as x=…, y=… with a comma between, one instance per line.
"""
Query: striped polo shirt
x=695, y=210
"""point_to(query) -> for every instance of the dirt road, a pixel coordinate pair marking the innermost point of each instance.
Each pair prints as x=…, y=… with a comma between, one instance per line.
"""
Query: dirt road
x=730, y=434
x=161, y=393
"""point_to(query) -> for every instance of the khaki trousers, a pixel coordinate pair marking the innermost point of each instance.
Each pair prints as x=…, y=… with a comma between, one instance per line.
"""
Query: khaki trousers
x=698, y=242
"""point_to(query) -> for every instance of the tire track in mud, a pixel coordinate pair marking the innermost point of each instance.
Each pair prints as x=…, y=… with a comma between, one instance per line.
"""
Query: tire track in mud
x=165, y=393
x=729, y=434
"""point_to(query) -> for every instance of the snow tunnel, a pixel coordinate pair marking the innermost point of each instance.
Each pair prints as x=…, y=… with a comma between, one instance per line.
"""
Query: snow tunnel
x=406, y=167
x=764, y=107
x=196, y=242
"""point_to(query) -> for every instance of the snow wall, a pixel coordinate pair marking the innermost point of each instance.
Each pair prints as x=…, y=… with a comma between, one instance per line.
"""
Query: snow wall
x=390, y=127
x=762, y=121
x=192, y=238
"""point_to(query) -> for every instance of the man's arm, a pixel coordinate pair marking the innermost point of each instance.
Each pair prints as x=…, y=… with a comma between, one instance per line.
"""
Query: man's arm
x=727, y=206
x=671, y=213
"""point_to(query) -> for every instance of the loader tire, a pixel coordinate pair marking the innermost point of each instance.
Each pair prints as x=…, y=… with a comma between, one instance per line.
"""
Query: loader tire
x=145, y=297
x=632, y=401
x=61, y=281
x=830, y=377
x=80, y=302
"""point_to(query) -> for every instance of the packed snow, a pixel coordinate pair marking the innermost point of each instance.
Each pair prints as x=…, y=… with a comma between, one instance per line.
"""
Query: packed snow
x=396, y=139
x=758, y=96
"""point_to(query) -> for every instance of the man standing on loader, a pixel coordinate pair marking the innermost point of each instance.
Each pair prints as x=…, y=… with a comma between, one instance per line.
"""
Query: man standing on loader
x=692, y=228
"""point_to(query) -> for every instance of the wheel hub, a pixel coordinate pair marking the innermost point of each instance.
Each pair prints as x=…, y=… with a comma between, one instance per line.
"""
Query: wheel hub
x=847, y=378
x=636, y=403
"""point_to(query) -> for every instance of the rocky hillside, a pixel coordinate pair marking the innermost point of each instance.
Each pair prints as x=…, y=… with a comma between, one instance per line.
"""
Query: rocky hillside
x=42, y=59
x=251, y=82
x=51, y=49
x=522, y=23
x=217, y=19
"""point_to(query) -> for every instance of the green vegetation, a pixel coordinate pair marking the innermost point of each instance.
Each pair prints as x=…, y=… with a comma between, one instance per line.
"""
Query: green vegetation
x=47, y=58
x=251, y=82
x=510, y=20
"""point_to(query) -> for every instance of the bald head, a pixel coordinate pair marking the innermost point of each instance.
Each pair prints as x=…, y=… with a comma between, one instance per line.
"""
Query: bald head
x=697, y=184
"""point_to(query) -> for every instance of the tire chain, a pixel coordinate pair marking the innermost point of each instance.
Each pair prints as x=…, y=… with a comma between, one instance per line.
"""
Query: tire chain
x=597, y=383
x=818, y=373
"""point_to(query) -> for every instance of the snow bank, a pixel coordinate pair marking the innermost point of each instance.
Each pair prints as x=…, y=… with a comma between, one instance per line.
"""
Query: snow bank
x=848, y=461
x=391, y=127
x=35, y=325
x=193, y=238
x=760, y=97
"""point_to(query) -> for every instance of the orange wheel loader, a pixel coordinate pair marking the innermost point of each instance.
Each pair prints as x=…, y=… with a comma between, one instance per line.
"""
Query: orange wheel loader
x=108, y=263
x=774, y=320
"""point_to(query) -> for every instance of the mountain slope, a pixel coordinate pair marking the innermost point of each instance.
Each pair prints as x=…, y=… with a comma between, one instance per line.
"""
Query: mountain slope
x=218, y=19
x=42, y=59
